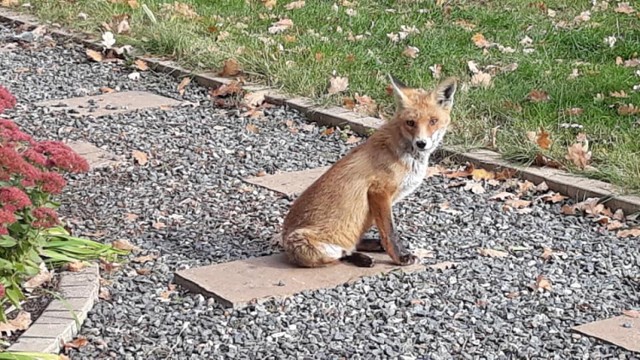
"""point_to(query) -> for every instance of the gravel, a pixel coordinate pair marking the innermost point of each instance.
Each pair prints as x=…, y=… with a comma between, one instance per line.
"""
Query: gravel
x=482, y=309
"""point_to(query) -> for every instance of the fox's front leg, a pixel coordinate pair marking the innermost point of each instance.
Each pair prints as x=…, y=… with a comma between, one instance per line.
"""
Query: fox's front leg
x=380, y=206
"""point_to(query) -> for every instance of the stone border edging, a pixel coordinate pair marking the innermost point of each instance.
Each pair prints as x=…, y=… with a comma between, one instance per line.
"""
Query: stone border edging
x=60, y=321
x=575, y=186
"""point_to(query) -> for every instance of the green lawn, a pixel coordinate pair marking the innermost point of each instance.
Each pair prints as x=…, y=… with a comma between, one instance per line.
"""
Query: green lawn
x=351, y=39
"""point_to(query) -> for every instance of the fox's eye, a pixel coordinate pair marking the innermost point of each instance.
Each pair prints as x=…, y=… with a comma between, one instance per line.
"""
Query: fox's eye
x=433, y=121
x=411, y=123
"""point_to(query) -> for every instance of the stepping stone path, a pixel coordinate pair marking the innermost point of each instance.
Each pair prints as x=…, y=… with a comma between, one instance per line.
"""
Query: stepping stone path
x=289, y=183
x=623, y=331
x=96, y=157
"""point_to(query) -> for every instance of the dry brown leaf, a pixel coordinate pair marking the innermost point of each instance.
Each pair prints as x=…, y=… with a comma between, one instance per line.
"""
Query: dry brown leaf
x=94, y=55
x=20, y=322
x=145, y=258
x=618, y=215
x=436, y=71
x=542, y=187
x=538, y=96
x=614, y=225
x=255, y=99
x=352, y=139
x=624, y=8
x=104, y=294
x=9, y=3
x=411, y=51
x=252, y=128
x=76, y=343
x=573, y=111
x=231, y=68
x=629, y=233
x=517, y=203
x=630, y=63
x=543, y=139
x=140, y=157
x=319, y=56
x=36, y=281
x=542, y=283
x=106, y=90
x=631, y=313
x=294, y=5
x=269, y=4
x=232, y=88
x=130, y=217
x=143, y=271
x=183, y=84
x=348, y=103
x=338, y=84
x=158, y=225
x=480, y=41
x=482, y=174
x=123, y=27
x=553, y=197
x=629, y=109
x=505, y=174
x=547, y=254
x=141, y=65
x=365, y=105
x=525, y=186
x=568, y=210
x=280, y=26
x=465, y=24
x=181, y=9
x=123, y=244
x=481, y=79
x=502, y=196
x=541, y=160
x=75, y=266
x=618, y=94
x=475, y=187
x=466, y=172
x=492, y=253
x=578, y=154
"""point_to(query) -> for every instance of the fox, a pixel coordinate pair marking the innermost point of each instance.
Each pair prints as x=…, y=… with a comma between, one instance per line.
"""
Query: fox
x=327, y=222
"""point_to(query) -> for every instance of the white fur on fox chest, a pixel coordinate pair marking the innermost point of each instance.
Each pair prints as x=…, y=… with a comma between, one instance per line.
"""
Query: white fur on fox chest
x=414, y=177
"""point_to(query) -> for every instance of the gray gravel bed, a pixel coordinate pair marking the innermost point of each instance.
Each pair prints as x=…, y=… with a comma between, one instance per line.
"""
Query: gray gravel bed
x=192, y=185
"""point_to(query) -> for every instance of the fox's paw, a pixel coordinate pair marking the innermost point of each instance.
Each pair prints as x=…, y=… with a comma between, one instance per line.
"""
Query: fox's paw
x=408, y=259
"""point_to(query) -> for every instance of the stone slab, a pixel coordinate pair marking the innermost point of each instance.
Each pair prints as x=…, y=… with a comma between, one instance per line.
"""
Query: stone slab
x=96, y=157
x=289, y=183
x=623, y=331
x=237, y=283
x=111, y=103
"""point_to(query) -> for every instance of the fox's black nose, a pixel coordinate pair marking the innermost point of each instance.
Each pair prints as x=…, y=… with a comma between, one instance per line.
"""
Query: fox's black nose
x=421, y=144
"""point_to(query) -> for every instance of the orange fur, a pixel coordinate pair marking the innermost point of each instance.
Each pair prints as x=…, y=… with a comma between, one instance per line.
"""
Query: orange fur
x=329, y=218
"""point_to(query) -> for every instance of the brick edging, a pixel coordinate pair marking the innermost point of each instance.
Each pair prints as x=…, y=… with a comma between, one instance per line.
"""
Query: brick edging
x=60, y=321
x=575, y=186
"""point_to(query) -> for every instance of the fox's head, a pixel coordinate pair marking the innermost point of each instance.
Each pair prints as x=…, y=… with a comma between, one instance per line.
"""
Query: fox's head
x=423, y=116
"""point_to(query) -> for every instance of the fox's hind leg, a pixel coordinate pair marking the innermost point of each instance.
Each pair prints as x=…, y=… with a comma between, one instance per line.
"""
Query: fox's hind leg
x=304, y=248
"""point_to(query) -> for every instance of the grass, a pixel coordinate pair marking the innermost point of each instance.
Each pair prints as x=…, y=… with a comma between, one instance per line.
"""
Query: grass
x=302, y=59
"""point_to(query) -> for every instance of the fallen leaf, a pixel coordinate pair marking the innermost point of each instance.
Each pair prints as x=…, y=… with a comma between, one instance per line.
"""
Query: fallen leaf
x=629, y=233
x=466, y=172
x=140, y=157
x=517, y=203
x=543, y=139
x=352, y=139
x=630, y=109
x=365, y=105
x=183, y=84
x=232, y=88
x=143, y=271
x=436, y=70
x=94, y=55
x=123, y=244
x=411, y=52
x=619, y=215
x=36, y=281
x=502, y=196
x=254, y=99
x=542, y=283
x=294, y=5
x=182, y=9
x=492, y=253
x=280, y=26
x=106, y=90
x=338, y=84
x=480, y=41
x=145, y=258
x=542, y=187
x=123, y=27
x=573, y=111
x=512, y=295
x=618, y=94
x=158, y=225
x=474, y=187
x=20, y=322
x=541, y=160
x=252, y=128
x=614, y=225
x=624, y=8
x=525, y=186
x=104, y=294
x=505, y=174
x=482, y=174
x=75, y=266
x=141, y=65
x=579, y=155
x=568, y=210
x=76, y=343
x=546, y=254
x=319, y=56
x=231, y=68
x=348, y=103
x=631, y=313
x=269, y=4
x=481, y=79
x=130, y=217
x=538, y=96
x=465, y=24
x=553, y=197
x=630, y=63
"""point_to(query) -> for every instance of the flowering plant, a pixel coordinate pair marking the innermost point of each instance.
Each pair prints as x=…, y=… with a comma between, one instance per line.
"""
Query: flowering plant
x=30, y=173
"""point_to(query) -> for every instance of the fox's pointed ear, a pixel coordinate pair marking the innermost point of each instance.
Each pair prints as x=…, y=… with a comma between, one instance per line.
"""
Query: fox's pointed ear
x=399, y=91
x=444, y=93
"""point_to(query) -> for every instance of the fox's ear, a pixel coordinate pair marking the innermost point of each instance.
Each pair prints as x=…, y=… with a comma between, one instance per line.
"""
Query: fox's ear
x=444, y=93
x=399, y=91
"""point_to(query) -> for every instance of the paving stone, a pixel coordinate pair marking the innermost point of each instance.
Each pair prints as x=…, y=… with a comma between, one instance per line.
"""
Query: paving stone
x=96, y=157
x=111, y=103
x=27, y=344
x=289, y=183
x=623, y=331
x=237, y=283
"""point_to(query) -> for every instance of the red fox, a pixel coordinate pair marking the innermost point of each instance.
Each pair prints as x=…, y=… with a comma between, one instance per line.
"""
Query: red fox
x=326, y=223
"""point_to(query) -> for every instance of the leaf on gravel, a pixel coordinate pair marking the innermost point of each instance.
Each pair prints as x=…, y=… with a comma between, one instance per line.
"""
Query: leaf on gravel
x=435, y=170
x=553, y=197
x=143, y=271
x=629, y=233
x=104, y=294
x=123, y=244
x=254, y=99
x=145, y=258
x=338, y=84
x=183, y=84
x=631, y=313
x=538, y=96
x=492, y=253
x=624, y=8
x=75, y=266
x=231, y=67
x=614, y=225
x=517, y=203
x=542, y=283
x=463, y=173
x=76, y=343
x=36, y=281
x=542, y=187
x=130, y=217
x=158, y=225
x=141, y=65
x=232, y=88
x=411, y=52
x=94, y=55
x=20, y=322
x=579, y=154
x=352, y=139
x=140, y=157
x=502, y=196
x=629, y=109
x=482, y=174
x=252, y=128
x=547, y=253
x=280, y=26
x=505, y=174
x=525, y=187
x=480, y=41
x=568, y=210
x=618, y=215
x=295, y=5
x=474, y=187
